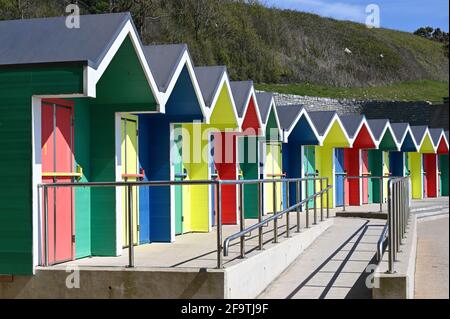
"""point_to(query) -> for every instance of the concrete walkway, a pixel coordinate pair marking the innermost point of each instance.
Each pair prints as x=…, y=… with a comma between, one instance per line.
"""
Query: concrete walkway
x=432, y=271
x=333, y=266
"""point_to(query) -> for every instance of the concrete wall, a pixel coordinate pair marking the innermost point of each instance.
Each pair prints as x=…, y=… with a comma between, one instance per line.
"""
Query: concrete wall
x=416, y=113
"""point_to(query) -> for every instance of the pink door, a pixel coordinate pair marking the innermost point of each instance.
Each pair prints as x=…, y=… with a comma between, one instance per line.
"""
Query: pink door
x=365, y=172
x=57, y=167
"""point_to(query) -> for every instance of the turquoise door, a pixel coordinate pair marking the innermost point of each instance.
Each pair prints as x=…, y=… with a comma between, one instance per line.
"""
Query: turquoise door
x=179, y=176
x=309, y=168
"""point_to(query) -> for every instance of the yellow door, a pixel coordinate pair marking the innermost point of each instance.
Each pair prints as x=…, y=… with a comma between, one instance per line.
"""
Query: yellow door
x=130, y=171
x=386, y=173
x=273, y=170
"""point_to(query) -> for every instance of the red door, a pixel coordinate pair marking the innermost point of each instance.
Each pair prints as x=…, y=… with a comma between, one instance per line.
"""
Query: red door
x=57, y=167
x=430, y=163
x=365, y=172
x=226, y=166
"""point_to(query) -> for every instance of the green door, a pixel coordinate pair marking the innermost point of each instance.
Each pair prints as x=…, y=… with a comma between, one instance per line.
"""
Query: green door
x=249, y=164
x=179, y=176
x=309, y=169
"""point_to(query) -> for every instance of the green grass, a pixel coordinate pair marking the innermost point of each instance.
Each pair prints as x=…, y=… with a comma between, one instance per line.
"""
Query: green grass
x=426, y=90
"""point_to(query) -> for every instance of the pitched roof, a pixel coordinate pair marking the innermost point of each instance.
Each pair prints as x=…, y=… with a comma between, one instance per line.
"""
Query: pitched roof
x=419, y=132
x=48, y=40
x=377, y=127
x=163, y=61
x=351, y=123
x=208, y=78
x=241, y=91
x=435, y=134
x=399, y=130
x=264, y=103
x=322, y=120
x=288, y=114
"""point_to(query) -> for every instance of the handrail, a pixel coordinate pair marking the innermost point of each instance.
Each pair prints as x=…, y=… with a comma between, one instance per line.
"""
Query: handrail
x=61, y=174
x=346, y=177
x=276, y=216
x=380, y=243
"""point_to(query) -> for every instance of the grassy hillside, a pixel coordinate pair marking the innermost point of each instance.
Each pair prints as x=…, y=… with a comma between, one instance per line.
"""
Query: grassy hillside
x=426, y=90
x=271, y=45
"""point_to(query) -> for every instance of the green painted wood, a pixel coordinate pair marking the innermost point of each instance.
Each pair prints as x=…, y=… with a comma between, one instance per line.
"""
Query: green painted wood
x=250, y=171
x=309, y=167
x=82, y=195
x=16, y=89
x=376, y=168
x=272, y=133
x=122, y=88
x=443, y=166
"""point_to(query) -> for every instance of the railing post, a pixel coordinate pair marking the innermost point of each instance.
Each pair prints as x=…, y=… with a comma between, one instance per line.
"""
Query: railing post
x=298, y=200
x=328, y=197
x=381, y=194
x=343, y=191
x=260, y=214
x=397, y=217
x=130, y=228
x=321, y=200
x=391, y=244
x=45, y=226
x=315, y=201
x=307, y=204
x=219, y=225
x=288, y=204
x=275, y=221
x=242, y=219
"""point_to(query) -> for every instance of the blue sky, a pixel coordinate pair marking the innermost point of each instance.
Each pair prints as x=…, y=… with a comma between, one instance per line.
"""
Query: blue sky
x=405, y=15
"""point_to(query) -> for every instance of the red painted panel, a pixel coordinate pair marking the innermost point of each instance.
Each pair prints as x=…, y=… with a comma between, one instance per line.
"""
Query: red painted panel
x=225, y=161
x=365, y=171
x=251, y=123
x=430, y=166
x=57, y=157
x=442, y=147
x=351, y=162
x=364, y=140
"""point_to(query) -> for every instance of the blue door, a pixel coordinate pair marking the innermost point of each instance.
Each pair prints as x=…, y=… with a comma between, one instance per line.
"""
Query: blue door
x=340, y=173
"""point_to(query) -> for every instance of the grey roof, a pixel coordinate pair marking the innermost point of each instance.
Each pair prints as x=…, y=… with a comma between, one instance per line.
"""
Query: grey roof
x=399, y=130
x=418, y=132
x=377, y=127
x=208, y=78
x=446, y=135
x=351, y=123
x=48, y=40
x=436, y=134
x=163, y=61
x=241, y=91
x=287, y=114
x=264, y=102
x=321, y=120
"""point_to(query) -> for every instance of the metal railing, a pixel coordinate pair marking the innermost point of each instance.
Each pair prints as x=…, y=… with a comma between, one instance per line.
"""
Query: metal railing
x=128, y=185
x=398, y=219
x=277, y=215
x=362, y=177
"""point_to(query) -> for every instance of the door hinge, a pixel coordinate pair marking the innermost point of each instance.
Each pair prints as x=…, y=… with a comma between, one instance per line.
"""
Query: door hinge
x=137, y=132
x=73, y=238
x=138, y=227
x=182, y=218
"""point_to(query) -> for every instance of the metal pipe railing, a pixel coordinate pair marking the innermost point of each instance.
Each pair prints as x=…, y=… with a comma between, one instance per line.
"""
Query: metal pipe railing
x=381, y=178
x=128, y=185
x=273, y=218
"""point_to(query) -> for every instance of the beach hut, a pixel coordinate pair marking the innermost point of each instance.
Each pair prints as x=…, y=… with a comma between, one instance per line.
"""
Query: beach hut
x=161, y=141
x=398, y=161
x=422, y=168
x=329, y=156
x=247, y=148
x=356, y=159
x=63, y=100
x=270, y=157
x=379, y=164
x=441, y=158
x=300, y=138
x=204, y=148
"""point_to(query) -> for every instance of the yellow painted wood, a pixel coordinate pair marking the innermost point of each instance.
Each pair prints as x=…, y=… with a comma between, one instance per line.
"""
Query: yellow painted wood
x=196, y=198
x=336, y=137
x=130, y=165
x=415, y=167
x=427, y=145
x=273, y=166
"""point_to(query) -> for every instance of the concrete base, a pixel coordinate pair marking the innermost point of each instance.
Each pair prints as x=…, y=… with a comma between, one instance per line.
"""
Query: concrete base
x=244, y=279
x=399, y=285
